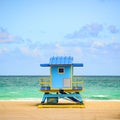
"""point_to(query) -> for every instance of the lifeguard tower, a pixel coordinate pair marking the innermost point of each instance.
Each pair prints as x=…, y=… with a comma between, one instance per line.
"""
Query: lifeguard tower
x=61, y=83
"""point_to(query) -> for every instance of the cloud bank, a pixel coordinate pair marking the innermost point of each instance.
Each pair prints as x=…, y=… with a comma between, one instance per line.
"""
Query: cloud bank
x=94, y=52
x=113, y=29
x=5, y=37
x=93, y=30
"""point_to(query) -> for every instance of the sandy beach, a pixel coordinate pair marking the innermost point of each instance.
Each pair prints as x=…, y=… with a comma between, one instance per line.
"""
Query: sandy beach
x=28, y=110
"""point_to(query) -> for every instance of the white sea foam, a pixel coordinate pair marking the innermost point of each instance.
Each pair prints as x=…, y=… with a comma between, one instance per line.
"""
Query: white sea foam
x=100, y=96
x=113, y=100
x=61, y=100
x=22, y=100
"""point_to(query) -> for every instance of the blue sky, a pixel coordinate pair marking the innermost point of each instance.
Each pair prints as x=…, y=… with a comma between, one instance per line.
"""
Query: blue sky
x=32, y=31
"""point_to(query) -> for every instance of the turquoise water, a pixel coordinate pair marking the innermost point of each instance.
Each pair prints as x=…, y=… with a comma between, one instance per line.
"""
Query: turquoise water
x=27, y=87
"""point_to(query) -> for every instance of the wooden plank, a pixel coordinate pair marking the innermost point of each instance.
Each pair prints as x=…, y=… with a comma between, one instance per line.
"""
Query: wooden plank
x=61, y=105
x=65, y=90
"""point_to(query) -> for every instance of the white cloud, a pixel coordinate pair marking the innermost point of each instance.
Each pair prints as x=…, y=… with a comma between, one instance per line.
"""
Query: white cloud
x=113, y=29
x=5, y=37
x=59, y=50
x=90, y=53
x=98, y=44
x=3, y=50
x=94, y=30
x=36, y=52
x=69, y=49
x=89, y=30
x=31, y=52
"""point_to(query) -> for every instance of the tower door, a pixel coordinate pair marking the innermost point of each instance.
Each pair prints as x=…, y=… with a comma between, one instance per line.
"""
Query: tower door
x=66, y=83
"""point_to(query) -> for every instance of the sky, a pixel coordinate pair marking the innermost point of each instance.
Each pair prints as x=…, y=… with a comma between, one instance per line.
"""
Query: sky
x=32, y=31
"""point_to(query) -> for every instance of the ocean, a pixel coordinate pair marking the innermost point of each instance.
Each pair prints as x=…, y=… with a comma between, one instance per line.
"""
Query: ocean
x=27, y=88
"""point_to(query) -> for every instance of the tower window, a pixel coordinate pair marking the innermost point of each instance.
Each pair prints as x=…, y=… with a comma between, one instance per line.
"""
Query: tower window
x=61, y=70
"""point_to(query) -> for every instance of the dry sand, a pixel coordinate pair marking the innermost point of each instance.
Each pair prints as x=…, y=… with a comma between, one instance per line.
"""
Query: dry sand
x=29, y=111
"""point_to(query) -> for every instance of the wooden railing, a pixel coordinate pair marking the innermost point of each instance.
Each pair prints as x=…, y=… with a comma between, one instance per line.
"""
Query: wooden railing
x=77, y=83
x=45, y=83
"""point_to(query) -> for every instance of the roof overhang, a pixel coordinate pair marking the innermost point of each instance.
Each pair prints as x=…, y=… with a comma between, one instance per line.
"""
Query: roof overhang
x=74, y=65
x=61, y=61
x=77, y=65
x=45, y=65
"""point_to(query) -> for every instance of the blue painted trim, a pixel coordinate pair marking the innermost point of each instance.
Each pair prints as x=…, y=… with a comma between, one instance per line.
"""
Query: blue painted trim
x=45, y=65
x=61, y=60
x=62, y=95
x=74, y=65
x=73, y=95
x=77, y=65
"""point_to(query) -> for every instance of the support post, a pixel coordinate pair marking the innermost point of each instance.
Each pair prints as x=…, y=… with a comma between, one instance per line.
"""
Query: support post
x=44, y=98
x=75, y=97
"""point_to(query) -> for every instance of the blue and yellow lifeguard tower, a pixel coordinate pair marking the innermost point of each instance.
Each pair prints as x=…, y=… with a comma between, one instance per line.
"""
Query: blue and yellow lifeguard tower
x=61, y=83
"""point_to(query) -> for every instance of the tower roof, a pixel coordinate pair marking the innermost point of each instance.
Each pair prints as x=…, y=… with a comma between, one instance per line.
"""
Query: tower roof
x=60, y=60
